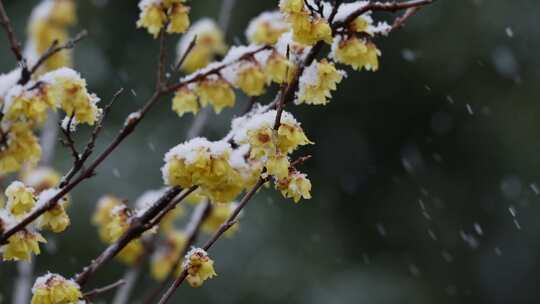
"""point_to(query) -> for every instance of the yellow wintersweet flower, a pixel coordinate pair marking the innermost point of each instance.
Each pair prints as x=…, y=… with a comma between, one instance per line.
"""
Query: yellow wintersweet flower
x=295, y=186
x=131, y=253
x=357, y=53
x=209, y=42
x=41, y=178
x=48, y=23
x=167, y=255
x=290, y=137
x=291, y=6
x=199, y=267
x=22, y=147
x=29, y=103
x=117, y=225
x=22, y=245
x=216, y=92
x=63, y=13
x=103, y=214
x=278, y=69
x=268, y=146
x=309, y=30
x=185, y=101
x=70, y=90
x=55, y=219
x=155, y=14
x=20, y=199
x=317, y=81
x=278, y=166
x=266, y=142
x=119, y=222
x=266, y=28
x=179, y=18
x=195, y=197
x=251, y=80
x=43, y=35
x=152, y=17
x=55, y=289
x=262, y=142
x=206, y=164
x=218, y=215
x=361, y=24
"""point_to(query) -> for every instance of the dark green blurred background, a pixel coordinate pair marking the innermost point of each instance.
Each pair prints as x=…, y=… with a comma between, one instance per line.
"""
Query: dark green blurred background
x=425, y=173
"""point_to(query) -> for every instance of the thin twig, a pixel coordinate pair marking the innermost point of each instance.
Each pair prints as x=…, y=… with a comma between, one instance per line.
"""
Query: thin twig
x=68, y=140
x=186, y=54
x=384, y=7
x=400, y=21
x=195, y=77
x=53, y=49
x=122, y=294
x=15, y=45
x=103, y=289
x=80, y=159
x=162, y=56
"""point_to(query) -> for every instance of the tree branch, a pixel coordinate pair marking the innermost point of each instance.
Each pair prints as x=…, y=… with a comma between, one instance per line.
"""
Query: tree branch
x=52, y=50
x=15, y=45
x=137, y=227
x=103, y=289
x=381, y=7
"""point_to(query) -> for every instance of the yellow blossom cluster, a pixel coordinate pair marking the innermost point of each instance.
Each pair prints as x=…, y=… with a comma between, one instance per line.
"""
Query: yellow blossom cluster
x=295, y=186
x=279, y=69
x=48, y=23
x=308, y=28
x=55, y=289
x=22, y=245
x=199, y=267
x=250, y=79
x=270, y=146
x=205, y=164
x=251, y=74
x=112, y=217
x=357, y=52
x=214, y=91
x=70, y=92
x=26, y=106
x=317, y=82
x=209, y=42
x=20, y=146
x=171, y=15
x=168, y=254
x=266, y=28
x=21, y=200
